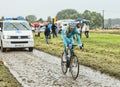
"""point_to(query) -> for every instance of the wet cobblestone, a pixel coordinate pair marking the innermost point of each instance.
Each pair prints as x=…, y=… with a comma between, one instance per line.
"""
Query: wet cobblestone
x=38, y=69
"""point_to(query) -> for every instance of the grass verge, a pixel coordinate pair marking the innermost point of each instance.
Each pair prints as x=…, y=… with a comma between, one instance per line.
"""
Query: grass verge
x=102, y=51
x=6, y=78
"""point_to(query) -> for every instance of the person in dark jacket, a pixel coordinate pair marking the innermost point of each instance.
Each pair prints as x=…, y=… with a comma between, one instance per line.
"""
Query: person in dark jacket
x=54, y=30
x=47, y=33
x=78, y=26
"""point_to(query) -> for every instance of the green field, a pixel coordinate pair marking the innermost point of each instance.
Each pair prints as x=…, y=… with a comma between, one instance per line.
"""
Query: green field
x=102, y=51
x=6, y=78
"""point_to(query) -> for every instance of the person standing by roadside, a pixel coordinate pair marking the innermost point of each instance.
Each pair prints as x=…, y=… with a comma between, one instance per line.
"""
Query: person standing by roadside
x=54, y=30
x=47, y=33
x=37, y=31
x=57, y=30
x=87, y=30
x=79, y=29
x=50, y=27
x=60, y=29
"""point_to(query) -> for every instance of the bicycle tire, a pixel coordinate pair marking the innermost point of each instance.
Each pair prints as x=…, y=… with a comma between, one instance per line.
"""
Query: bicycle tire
x=74, y=59
x=64, y=65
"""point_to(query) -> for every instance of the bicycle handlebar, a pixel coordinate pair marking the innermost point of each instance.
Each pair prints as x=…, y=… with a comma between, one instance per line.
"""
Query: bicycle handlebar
x=81, y=47
x=75, y=45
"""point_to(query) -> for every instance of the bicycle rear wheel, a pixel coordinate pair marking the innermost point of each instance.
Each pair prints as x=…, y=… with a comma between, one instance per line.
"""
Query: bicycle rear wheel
x=74, y=67
x=64, y=65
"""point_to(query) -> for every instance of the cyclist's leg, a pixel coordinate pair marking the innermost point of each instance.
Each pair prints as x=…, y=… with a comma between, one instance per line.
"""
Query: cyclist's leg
x=71, y=42
x=64, y=54
x=65, y=50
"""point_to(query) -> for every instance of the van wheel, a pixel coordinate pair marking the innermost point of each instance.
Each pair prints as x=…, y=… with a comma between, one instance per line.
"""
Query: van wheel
x=3, y=49
x=30, y=49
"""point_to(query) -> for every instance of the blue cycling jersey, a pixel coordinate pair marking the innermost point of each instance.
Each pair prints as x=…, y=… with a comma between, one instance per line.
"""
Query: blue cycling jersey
x=68, y=36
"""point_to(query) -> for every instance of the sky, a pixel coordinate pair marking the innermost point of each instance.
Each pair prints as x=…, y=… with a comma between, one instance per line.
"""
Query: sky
x=45, y=8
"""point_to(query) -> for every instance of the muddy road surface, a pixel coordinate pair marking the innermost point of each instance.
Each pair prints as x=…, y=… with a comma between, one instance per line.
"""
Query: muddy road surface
x=38, y=69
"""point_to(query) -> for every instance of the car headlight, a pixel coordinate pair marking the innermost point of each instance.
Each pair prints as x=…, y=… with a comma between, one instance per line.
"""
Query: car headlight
x=30, y=36
x=6, y=37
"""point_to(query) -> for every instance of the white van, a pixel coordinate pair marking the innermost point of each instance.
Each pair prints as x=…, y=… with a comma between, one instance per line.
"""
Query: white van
x=15, y=34
x=64, y=23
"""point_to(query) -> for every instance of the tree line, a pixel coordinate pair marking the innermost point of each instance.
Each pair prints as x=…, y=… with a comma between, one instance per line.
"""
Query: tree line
x=96, y=19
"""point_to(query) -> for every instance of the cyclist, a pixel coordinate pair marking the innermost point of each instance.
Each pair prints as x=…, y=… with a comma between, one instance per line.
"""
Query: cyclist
x=67, y=36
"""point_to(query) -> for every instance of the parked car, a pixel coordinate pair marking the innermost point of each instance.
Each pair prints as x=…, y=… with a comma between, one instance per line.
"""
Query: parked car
x=33, y=29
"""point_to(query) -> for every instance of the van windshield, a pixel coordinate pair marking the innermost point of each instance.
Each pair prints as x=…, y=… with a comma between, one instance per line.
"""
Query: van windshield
x=9, y=26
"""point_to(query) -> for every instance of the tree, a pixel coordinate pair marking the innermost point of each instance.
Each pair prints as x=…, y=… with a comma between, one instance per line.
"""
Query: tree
x=2, y=18
x=67, y=14
x=40, y=20
x=96, y=19
x=87, y=14
x=31, y=18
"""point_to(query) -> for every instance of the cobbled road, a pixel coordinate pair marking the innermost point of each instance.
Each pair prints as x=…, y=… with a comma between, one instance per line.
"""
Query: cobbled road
x=39, y=69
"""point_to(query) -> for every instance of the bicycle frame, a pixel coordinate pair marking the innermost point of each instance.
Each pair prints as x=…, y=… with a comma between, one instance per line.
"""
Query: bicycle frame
x=71, y=49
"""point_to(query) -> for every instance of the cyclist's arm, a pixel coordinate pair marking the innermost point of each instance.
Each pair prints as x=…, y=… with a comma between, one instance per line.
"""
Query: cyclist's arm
x=64, y=38
x=78, y=38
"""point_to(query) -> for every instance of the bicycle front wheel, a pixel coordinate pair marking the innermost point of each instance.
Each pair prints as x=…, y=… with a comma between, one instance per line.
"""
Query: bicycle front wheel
x=64, y=65
x=74, y=67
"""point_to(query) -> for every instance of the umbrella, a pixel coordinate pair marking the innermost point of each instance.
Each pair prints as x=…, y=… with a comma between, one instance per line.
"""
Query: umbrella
x=79, y=19
x=36, y=24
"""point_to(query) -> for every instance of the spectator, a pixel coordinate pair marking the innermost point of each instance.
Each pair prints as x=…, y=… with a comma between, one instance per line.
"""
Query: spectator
x=50, y=27
x=54, y=30
x=57, y=31
x=87, y=30
x=47, y=33
x=79, y=29
x=60, y=29
x=37, y=31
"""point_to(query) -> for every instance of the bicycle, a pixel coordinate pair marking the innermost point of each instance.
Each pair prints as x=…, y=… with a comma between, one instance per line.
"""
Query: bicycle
x=72, y=63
